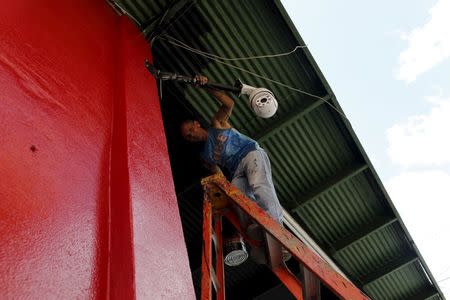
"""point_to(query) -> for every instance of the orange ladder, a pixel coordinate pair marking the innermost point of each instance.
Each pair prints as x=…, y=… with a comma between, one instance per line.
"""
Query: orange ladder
x=219, y=195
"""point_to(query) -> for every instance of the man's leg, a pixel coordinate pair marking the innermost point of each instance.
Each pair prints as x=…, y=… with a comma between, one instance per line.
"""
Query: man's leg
x=259, y=177
x=240, y=181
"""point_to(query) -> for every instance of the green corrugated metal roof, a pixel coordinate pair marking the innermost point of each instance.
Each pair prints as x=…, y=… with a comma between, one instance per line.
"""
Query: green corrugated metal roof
x=321, y=172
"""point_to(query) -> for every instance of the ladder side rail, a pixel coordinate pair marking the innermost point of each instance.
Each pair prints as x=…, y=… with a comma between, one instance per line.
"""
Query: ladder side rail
x=337, y=283
x=220, y=271
x=206, y=278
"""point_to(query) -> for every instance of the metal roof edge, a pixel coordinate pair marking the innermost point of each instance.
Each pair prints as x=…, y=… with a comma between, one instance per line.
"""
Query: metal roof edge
x=347, y=123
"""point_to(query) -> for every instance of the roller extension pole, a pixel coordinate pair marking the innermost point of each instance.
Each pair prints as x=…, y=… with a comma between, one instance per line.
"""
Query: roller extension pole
x=261, y=100
x=189, y=79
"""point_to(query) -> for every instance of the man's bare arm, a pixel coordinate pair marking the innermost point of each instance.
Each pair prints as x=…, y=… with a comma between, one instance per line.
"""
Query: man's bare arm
x=220, y=118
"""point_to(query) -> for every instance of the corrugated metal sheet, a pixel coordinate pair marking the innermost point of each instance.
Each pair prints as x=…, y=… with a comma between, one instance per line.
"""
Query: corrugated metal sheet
x=321, y=172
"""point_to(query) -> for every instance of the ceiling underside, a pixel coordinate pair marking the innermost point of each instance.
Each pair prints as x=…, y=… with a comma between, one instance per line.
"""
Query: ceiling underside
x=322, y=175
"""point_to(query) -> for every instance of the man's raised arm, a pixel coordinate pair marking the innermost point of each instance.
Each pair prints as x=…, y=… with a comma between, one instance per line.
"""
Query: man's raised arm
x=220, y=118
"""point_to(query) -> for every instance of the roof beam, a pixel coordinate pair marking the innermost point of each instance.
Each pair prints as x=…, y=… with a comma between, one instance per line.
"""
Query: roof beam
x=427, y=294
x=292, y=116
x=390, y=268
x=365, y=231
x=330, y=183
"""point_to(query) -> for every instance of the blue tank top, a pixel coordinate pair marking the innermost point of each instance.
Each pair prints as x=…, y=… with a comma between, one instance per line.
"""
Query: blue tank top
x=226, y=148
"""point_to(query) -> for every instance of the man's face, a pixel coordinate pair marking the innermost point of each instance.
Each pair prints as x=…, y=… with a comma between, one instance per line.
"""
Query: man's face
x=193, y=132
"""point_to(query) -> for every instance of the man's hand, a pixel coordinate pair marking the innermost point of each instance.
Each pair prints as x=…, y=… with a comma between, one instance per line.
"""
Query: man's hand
x=200, y=80
x=220, y=119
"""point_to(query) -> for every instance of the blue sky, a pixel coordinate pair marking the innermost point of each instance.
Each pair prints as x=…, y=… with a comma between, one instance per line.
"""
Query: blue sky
x=388, y=63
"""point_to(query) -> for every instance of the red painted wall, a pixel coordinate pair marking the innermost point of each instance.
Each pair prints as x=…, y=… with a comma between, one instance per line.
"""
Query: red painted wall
x=87, y=204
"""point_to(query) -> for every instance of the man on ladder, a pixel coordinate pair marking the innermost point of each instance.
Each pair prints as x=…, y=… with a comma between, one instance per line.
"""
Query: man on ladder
x=244, y=160
x=251, y=174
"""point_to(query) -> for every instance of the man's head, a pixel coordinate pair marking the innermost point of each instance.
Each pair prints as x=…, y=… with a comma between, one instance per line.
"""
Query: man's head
x=193, y=132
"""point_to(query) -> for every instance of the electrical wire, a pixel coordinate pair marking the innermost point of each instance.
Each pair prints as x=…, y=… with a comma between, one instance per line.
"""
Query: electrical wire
x=215, y=58
x=173, y=22
x=446, y=278
x=119, y=5
x=159, y=24
x=236, y=58
x=219, y=59
x=165, y=13
x=238, y=68
x=445, y=271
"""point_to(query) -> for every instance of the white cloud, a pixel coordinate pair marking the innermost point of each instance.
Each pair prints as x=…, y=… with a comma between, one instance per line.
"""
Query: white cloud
x=422, y=139
x=428, y=45
x=423, y=202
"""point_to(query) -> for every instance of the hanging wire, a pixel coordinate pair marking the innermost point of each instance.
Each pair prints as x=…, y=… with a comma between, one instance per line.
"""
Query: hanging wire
x=238, y=68
x=220, y=59
x=236, y=58
x=119, y=5
x=163, y=31
x=442, y=280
